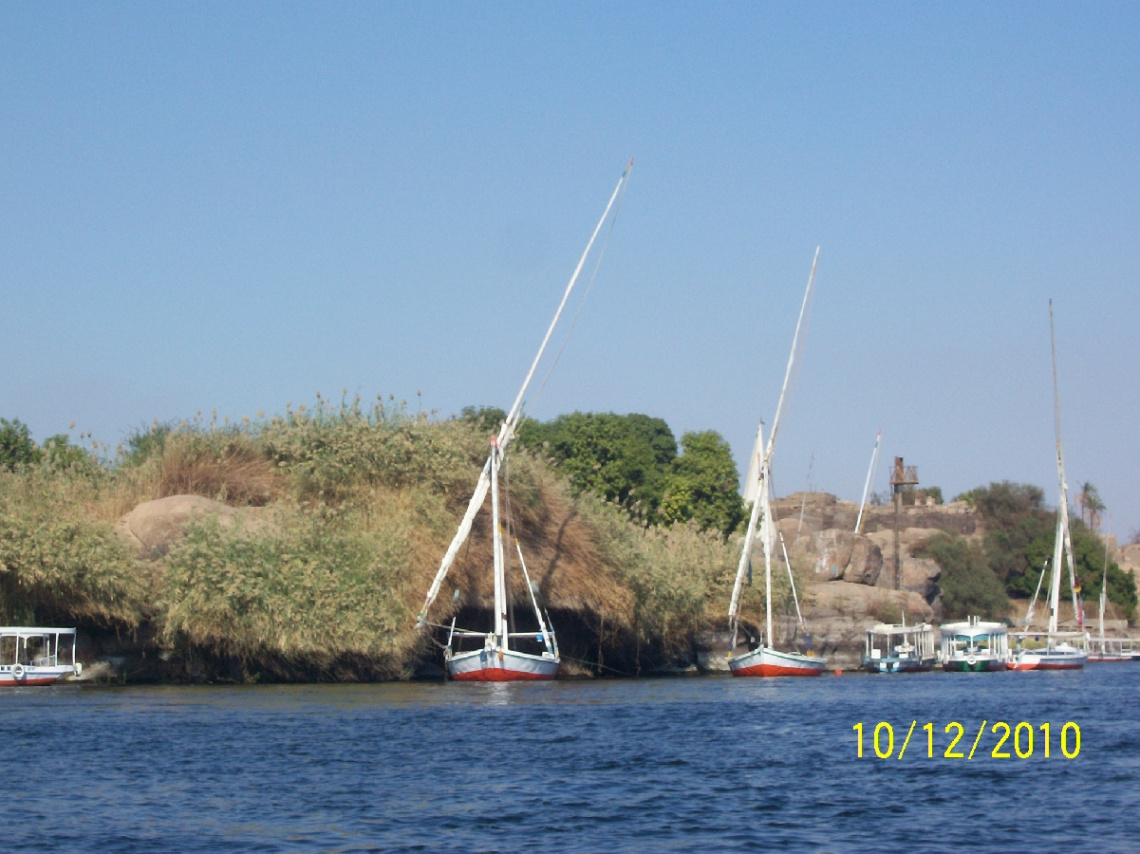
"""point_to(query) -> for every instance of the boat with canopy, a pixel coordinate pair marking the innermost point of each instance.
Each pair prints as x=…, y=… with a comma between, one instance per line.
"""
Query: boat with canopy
x=975, y=646
x=899, y=648
x=503, y=654
x=35, y=655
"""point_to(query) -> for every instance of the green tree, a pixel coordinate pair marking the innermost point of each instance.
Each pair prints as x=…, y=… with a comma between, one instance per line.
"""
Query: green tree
x=1091, y=505
x=60, y=454
x=703, y=483
x=487, y=419
x=934, y=492
x=969, y=588
x=622, y=458
x=147, y=442
x=16, y=445
x=1018, y=532
x=1019, y=538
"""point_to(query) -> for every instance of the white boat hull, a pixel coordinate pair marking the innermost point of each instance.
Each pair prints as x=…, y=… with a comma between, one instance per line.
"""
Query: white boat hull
x=501, y=665
x=897, y=665
x=1054, y=658
x=30, y=674
x=770, y=662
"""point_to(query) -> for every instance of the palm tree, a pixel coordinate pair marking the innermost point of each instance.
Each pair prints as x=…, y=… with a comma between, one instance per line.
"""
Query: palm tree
x=1091, y=505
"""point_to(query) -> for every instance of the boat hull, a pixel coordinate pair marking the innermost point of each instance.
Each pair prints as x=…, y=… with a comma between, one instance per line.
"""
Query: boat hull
x=973, y=664
x=1049, y=660
x=33, y=675
x=494, y=665
x=770, y=662
x=897, y=665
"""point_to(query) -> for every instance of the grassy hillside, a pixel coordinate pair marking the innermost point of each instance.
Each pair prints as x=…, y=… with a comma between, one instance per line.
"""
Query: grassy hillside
x=345, y=514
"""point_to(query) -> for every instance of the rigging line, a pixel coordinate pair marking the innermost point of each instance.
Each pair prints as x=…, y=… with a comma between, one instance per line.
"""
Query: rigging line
x=596, y=664
x=586, y=293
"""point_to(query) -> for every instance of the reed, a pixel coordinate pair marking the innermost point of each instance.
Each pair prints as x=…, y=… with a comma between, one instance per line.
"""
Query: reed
x=59, y=561
x=349, y=512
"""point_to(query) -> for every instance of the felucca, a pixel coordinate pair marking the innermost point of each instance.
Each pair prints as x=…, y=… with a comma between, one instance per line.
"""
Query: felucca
x=1061, y=650
x=503, y=656
x=766, y=660
x=1104, y=649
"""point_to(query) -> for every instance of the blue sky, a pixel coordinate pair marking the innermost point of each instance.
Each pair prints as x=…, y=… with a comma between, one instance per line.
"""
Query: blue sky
x=234, y=206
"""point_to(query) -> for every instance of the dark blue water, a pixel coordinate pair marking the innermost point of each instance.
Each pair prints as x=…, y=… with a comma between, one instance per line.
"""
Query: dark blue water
x=703, y=764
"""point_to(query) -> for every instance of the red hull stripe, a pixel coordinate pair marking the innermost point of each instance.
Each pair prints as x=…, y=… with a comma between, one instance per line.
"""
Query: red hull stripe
x=777, y=670
x=500, y=674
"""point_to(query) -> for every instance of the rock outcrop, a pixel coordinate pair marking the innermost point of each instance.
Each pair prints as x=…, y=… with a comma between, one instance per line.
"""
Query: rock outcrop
x=152, y=527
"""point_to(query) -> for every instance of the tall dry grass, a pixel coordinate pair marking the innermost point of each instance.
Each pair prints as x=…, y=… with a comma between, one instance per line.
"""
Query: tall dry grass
x=357, y=508
x=59, y=561
x=330, y=453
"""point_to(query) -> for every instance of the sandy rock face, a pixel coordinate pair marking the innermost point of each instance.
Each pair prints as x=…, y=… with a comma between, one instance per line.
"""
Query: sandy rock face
x=836, y=555
x=152, y=527
x=919, y=575
x=840, y=612
x=1129, y=558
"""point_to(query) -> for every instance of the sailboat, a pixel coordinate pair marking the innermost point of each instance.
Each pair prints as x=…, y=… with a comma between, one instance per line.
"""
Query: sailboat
x=1105, y=649
x=501, y=658
x=1061, y=650
x=765, y=659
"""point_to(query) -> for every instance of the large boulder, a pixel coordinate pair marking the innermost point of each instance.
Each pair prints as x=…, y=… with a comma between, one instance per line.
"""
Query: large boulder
x=839, y=613
x=919, y=575
x=153, y=527
x=840, y=555
x=1129, y=559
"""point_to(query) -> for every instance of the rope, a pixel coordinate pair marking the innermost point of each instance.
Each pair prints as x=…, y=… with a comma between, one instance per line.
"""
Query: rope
x=595, y=664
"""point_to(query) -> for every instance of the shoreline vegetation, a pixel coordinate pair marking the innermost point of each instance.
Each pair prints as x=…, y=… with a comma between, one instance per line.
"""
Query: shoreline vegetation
x=299, y=547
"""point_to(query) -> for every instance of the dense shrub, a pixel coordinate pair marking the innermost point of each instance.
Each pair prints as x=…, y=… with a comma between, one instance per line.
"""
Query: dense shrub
x=969, y=587
x=58, y=559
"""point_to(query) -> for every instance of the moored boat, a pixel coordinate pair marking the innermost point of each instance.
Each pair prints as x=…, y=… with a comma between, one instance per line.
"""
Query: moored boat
x=498, y=656
x=1109, y=650
x=1102, y=649
x=1061, y=650
x=765, y=660
x=899, y=648
x=492, y=664
x=975, y=646
x=34, y=655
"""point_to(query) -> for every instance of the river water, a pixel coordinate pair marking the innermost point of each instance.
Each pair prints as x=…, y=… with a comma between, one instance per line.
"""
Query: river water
x=697, y=764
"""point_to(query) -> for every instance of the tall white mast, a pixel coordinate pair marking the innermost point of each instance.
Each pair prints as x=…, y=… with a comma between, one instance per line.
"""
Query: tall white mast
x=753, y=486
x=766, y=540
x=763, y=470
x=506, y=431
x=501, y=627
x=1063, y=537
x=791, y=362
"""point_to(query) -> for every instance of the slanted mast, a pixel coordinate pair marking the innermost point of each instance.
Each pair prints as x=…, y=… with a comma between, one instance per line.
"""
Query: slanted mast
x=497, y=661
